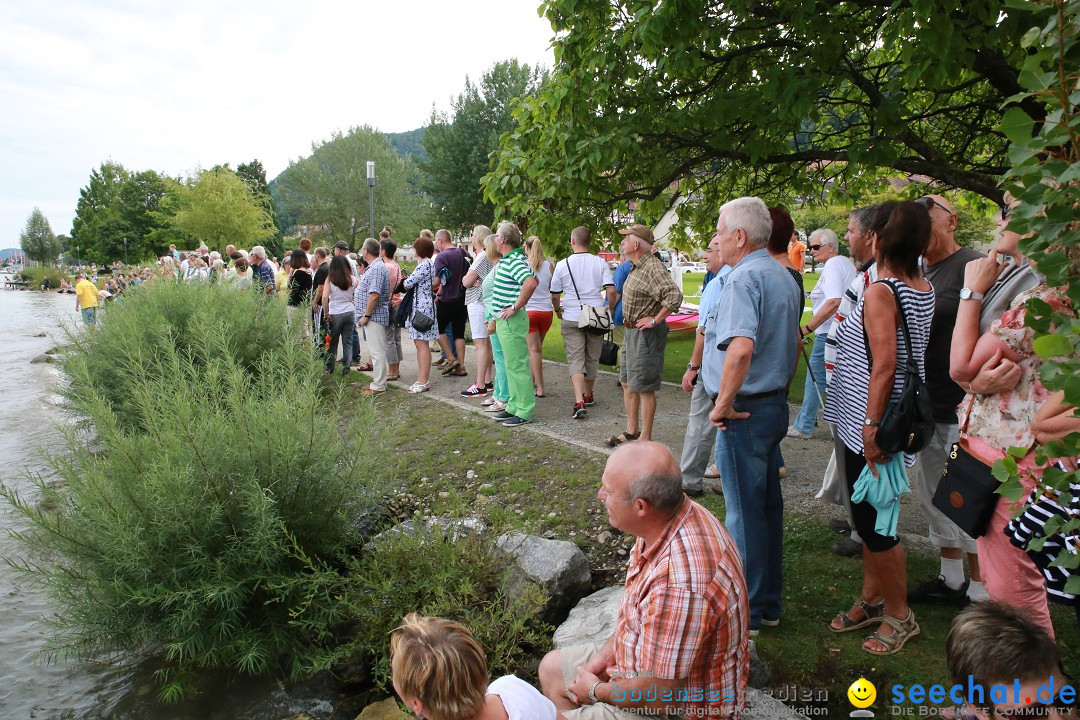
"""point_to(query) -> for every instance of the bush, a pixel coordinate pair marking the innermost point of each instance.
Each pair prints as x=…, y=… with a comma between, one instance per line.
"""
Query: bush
x=214, y=527
x=196, y=323
x=433, y=573
x=37, y=274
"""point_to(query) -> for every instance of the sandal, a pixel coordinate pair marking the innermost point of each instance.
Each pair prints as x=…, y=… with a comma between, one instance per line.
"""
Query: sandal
x=366, y=367
x=392, y=378
x=417, y=388
x=903, y=630
x=621, y=438
x=872, y=613
x=459, y=371
x=451, y=368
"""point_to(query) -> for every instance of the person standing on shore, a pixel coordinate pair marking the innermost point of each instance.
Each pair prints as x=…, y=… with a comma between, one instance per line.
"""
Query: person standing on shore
x=86, y=300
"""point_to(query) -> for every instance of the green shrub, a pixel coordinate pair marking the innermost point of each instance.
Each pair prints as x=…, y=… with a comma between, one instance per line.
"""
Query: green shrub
x=432, y=573
x=35, y=275
x=213, y=532
x=196, y=323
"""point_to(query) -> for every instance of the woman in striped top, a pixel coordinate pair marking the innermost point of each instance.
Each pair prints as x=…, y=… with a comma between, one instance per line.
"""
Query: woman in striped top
x=863, y=386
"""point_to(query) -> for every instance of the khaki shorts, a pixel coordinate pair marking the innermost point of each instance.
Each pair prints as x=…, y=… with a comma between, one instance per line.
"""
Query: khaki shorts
x=570, y=659
x=643, y=358
x=582, y=350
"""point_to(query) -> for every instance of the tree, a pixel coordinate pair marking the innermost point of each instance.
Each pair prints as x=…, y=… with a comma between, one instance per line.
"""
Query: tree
x=329, y=188
x=98, y=228
x=460, y=145
x=146, y=201
x=781, y=99
x=218, y=208
x=37, y=239
x=254, y=175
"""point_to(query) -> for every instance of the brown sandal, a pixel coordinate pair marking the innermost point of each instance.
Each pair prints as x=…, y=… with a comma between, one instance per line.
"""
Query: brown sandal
x=903, y=630
x=622, y=438
x=872, y=613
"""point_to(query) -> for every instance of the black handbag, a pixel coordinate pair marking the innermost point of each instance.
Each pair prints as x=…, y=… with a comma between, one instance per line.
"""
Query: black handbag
x=908, y=423
x=609, y=352
x=422, y=322
x=967, y=492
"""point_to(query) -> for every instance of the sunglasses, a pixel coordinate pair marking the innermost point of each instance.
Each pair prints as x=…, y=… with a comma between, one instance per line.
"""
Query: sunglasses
x=815, y=247
x=928, y=202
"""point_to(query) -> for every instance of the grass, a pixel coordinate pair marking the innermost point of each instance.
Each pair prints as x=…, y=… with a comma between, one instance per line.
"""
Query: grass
x=681, y=343
x=543, y=486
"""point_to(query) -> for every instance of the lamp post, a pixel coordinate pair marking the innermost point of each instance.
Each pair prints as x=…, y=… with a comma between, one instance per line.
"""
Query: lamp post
x=78, y=262
x=125, y=251
x=371, y=196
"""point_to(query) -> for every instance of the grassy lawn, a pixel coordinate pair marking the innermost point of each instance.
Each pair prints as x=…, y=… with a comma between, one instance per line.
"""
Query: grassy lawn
x=681, y=344
x=448, y=461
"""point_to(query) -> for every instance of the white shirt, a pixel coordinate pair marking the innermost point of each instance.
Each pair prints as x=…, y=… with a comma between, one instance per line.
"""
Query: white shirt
x=521, y=700
x=590, y=273
x=540, y=301
x=835, y=278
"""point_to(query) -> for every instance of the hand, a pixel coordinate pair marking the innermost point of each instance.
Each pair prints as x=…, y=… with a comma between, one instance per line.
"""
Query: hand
x=722, y=413
x=873, y=454
x=997, y=375
x=979, y=275
x=507, y=312
x=688, y=380
x=364, y=321
x=645, y=323
x=578, y=690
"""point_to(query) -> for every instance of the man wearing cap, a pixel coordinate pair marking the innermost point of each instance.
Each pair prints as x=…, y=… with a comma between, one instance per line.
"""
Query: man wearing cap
x=262, y=272
x=648, y=297
x=757, y=314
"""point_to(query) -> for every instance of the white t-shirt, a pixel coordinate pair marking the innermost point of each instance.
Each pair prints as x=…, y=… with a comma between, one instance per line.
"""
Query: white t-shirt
x=591, y=274
x=541, y=297
x=521, y=700
x=835, y=278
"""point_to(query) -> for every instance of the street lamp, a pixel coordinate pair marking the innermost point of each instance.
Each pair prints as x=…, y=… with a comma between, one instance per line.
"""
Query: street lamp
x=125, y=251
x=371, y=195
x=78, y=262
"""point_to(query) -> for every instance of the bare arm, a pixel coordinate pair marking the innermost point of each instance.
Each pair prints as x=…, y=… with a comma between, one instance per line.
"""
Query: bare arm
x=1054, y=420
x=612, y=296
x=827, y=311
x=880, y=319
x=695, y=359
x=527, y=289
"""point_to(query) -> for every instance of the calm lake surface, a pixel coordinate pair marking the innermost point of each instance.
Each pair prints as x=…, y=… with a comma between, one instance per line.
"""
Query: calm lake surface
x=31, y=415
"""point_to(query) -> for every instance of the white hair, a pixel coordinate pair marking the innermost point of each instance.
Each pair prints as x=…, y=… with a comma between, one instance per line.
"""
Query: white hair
x=258, y=251
x=752, y=215
x=828, y=237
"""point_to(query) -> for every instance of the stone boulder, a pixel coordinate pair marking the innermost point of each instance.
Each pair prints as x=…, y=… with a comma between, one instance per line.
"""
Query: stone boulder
x=593, y=620
x=557, y=566
x=44, y=359
x=383, y=710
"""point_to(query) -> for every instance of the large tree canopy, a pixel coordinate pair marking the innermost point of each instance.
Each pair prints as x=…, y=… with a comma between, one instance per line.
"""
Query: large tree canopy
x=460, y=144
x=789, y=97
x=37, y=239
x=218, y=207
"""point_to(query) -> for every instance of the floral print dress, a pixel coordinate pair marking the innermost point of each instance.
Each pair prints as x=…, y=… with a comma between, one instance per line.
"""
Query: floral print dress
x=423, y=299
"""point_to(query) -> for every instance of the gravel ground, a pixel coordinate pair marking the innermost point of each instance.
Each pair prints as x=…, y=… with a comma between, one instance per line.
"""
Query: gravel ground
x=805, y=459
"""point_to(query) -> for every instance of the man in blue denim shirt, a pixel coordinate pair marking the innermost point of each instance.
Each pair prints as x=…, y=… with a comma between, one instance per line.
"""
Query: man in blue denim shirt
x=756, y=331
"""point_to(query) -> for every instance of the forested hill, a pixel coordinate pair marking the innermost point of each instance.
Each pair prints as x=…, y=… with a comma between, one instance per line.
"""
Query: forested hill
x=409, y=143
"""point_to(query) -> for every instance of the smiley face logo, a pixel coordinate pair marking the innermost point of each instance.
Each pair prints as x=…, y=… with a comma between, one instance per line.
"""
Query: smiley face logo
x=862, y=693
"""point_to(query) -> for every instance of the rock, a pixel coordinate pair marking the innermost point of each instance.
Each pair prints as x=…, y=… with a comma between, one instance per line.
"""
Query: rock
x=54, y=350
x=383, y=710
x=760, y=672
x=470, y=474
x=557, y=566
x=482, y=499
x=762, y=706
x=44, y=359
x=370, y=519
x=42, y=335
x=604, y=537
x=592, y=620
x=451, y=528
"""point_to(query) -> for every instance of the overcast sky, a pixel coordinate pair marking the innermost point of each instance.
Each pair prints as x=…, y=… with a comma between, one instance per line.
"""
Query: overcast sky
x=174, y=86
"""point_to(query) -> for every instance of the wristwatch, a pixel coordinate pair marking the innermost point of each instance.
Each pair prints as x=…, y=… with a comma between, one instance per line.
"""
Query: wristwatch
x=871, y=423
x=692, y=366
x=969, y=294
x=652, y=322
x=592, y=692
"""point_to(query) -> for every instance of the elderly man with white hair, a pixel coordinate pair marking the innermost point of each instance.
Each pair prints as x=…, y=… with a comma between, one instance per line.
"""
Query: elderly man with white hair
x=755, y=328
x=262, y=272
x=836, y=275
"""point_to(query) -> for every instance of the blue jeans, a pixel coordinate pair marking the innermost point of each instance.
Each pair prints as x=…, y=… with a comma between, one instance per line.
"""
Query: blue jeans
x=807, y=417
x=341, y=326
x=748, y=455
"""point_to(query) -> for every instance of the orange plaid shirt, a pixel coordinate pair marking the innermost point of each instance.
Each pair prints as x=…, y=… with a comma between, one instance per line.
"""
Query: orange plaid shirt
x=685, y=615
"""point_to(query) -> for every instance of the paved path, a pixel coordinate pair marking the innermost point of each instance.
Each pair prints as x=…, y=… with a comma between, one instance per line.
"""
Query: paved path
x=805, y=459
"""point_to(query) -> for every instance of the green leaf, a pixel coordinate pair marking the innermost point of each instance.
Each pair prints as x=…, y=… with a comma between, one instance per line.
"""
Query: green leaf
x=1017, y=125
x=1049, y=346
x=1012, y=489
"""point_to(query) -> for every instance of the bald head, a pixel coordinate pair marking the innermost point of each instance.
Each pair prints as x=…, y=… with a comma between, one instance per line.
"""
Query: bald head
x=580, y=237
x=653, y=474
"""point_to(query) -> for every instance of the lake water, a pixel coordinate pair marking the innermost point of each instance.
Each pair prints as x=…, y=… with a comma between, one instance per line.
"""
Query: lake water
x=31, y=686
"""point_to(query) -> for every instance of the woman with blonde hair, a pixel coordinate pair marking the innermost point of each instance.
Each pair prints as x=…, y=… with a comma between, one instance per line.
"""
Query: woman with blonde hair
x=474, y=303
x=539, y=309
x=439, y=671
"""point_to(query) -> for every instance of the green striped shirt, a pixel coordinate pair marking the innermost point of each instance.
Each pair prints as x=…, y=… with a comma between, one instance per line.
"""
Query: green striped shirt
x=510, y=274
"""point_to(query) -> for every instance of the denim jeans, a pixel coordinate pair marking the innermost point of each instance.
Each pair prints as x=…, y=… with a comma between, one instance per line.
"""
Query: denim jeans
x=748, y=455
x=807, y=417
x=341, y=326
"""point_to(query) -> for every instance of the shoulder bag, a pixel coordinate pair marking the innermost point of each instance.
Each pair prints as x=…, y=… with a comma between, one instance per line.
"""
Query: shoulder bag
x=595, y=319
x=908, y=423
x=609, y=351
x=967, y=491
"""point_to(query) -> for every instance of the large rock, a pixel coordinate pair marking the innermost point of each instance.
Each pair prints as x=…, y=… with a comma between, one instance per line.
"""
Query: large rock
x=44, y=359
x=557, y=566
x=593, y=620
x=383, y=710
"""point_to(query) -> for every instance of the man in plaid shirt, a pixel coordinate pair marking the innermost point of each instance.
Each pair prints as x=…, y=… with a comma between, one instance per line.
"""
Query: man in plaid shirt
x=681, y=644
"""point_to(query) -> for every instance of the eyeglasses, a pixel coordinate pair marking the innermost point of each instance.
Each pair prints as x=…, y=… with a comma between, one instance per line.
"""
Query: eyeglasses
x=815, y=247
x=928, y=202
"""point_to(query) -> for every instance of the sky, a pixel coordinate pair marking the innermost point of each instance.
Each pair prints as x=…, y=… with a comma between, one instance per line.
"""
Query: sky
x=175, y=86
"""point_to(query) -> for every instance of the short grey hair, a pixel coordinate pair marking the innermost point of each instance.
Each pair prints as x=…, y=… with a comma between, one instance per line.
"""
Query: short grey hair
x=864, y=218
x=444, y=235
x=661, y=490
x=752, y=215
x=258, y=251
x=509, y=232
x=827, y=237
x=371, y=247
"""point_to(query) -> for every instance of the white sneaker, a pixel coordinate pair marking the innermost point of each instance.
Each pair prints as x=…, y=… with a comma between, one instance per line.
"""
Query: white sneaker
x=792, y=432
